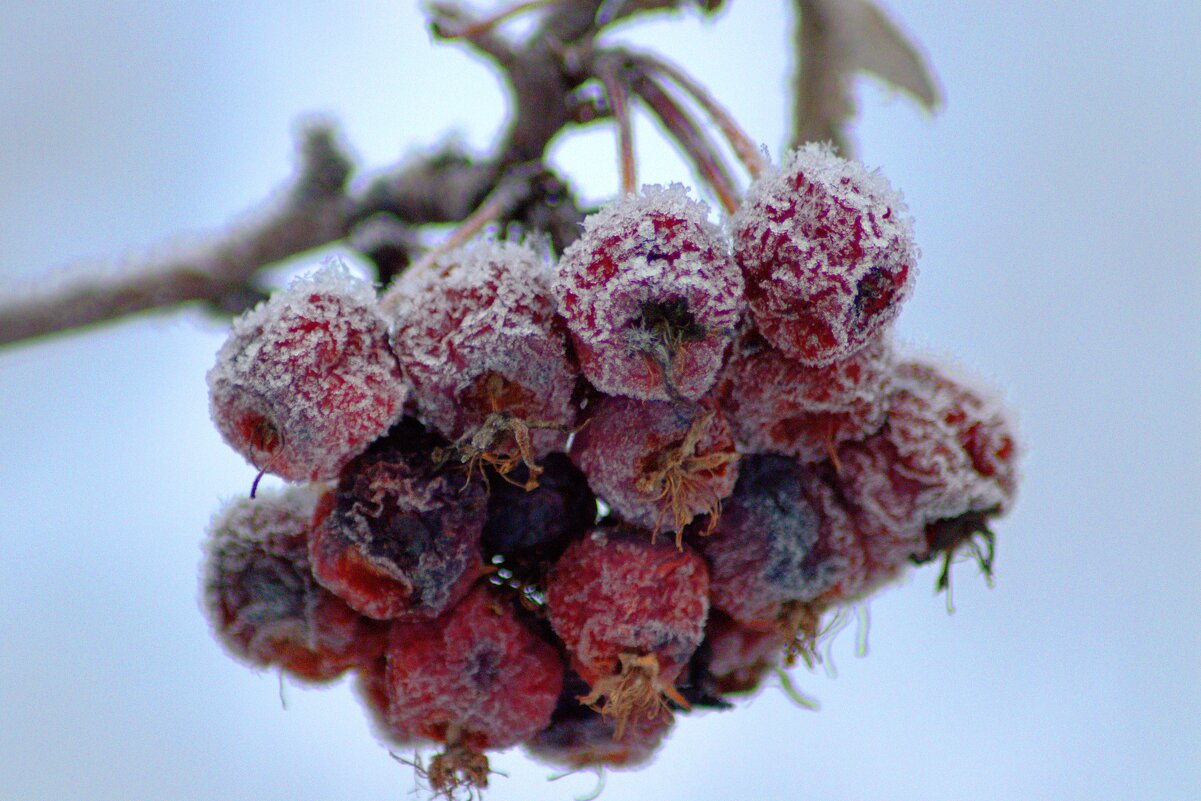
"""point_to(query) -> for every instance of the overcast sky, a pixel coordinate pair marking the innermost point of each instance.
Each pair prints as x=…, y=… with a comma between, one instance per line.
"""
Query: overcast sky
x=1058, y=211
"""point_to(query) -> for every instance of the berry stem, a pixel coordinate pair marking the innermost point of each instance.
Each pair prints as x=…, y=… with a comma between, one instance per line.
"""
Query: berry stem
x=615, y=91
x=689, y=136
x=742, y=145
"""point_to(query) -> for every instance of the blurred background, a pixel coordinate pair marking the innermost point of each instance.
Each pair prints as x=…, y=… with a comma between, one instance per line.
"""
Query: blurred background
x=1058, y=210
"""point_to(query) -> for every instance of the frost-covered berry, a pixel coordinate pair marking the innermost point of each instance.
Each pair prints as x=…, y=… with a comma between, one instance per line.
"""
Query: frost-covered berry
x=478, y=338
x=307, y=379
x=827, y=251
x=400, y=537
x=657, y=464
x=778, y=405
x=916, y=469
x=739, y=657
x=942, y=467
x=763, y=552
x=476, y=679
x=651, y=296
x=261, y=597
x=580, y=737
x=630, y=612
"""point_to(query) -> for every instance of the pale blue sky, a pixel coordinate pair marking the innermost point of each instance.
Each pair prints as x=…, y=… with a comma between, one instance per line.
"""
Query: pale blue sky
x=1058, y=211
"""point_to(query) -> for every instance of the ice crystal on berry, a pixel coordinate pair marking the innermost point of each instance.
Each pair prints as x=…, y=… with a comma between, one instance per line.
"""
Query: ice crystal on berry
x=306, y=379
x=828, y=254
x=479, y=339
x=651, y=296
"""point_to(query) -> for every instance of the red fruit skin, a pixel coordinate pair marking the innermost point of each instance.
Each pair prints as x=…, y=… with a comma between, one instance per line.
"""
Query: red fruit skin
x=650, y=283
x=579, y=737
x=615, y=591
x=921, y=466
x=778, y=405
x=479, y=676
x=400, y=538
x=739, y=657
x=480, y=336
x=827, y=251
x=763, y=552
x=307, y=380
x=626, y=442
x=263, y=602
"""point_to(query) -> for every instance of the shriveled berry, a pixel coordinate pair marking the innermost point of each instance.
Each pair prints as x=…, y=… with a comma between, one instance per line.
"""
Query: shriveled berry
x=479, y=339
x=778, y=405
x=475, y=679
x=307, y=379
x=538, y=524
x=262, y=599
x=400, y=537
x=630, y=612
x=657, y=464
x=651, y=296
x=827, y=251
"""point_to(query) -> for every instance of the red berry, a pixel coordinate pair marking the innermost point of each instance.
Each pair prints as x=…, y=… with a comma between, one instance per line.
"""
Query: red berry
x=828, y=254
x=580, y=737
x=739, y=657
x=763, y=552
x=630, y=612
x=307, y=379
x=475, y=679
x=262, y=599
x=651, y=296
x=778, y=405
x=400, y=538
x=479, y=339
x=658, y=465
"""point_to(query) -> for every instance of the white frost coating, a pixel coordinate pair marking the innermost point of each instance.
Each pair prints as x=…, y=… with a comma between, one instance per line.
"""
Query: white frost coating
x=486, y=309
x=306, y=380
x=656, y=247
x=828, y=252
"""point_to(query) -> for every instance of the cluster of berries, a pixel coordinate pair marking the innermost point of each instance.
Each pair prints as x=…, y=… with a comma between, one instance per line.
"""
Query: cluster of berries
x=553, y=505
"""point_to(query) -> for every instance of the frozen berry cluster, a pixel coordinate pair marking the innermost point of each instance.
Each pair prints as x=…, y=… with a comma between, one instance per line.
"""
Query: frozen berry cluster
x=555, y=504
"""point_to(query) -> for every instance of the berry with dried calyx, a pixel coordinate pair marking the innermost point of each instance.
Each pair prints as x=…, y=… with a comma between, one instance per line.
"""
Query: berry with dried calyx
x=827, y=251
x=778, y=405
x=478, y=678
x=307, y=379
x=400, y=537
x=651, y=296
x=630, y=612
x=261, y=597
x=657, y=464
x=580, y=737
x=477, y=336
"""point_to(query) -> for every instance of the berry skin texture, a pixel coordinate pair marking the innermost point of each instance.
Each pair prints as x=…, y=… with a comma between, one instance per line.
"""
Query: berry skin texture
x=400, y=538
x=739, y=657
x=476, y=679
x=827, y=251
x=651, y=296
x=478, y=338
x=580, y=737
x=763, y=553
x=261, y=597
x=630, y=613
x=307, y=380
x=657, y=464
x=778, y=405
